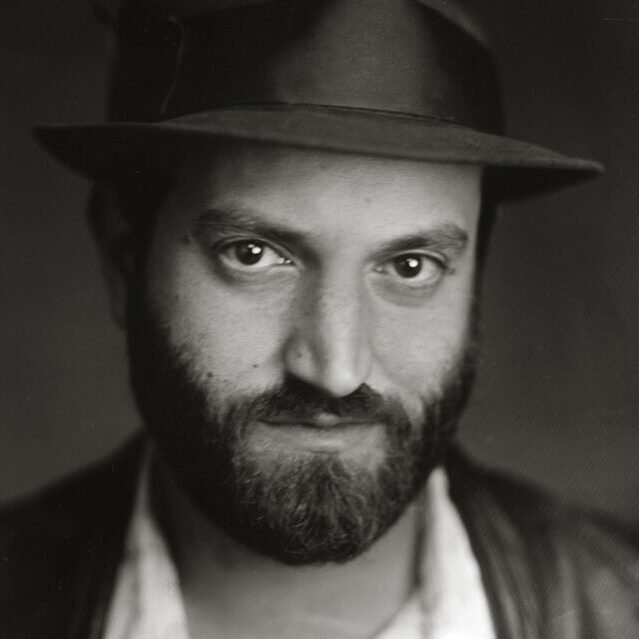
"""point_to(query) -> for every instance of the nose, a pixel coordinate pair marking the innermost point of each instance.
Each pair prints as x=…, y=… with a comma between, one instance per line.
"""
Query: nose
x=329, y=346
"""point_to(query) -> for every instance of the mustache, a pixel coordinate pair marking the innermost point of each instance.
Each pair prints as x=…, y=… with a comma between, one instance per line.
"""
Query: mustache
x=295, y=400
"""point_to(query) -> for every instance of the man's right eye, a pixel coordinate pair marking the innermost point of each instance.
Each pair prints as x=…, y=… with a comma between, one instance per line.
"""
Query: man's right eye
x=252, y=255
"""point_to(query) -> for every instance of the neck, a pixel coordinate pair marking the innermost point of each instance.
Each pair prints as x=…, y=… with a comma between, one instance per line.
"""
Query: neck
x=231, y=591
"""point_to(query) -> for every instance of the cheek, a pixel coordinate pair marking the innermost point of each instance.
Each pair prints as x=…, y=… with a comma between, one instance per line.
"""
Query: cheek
x=229, y=338
x=415, y=348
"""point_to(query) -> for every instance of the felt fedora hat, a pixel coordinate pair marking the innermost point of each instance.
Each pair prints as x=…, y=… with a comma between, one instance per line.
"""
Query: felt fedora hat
x=392, y=78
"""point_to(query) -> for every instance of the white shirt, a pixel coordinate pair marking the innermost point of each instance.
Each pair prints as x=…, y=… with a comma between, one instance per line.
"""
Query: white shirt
x=451, y=603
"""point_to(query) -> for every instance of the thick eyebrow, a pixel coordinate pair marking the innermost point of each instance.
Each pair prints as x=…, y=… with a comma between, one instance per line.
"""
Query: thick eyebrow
x=448, y=238
x=241, y=220
x=229, y=220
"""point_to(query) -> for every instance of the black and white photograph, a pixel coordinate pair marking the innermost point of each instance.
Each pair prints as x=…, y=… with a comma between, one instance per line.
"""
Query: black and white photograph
x=320, y=319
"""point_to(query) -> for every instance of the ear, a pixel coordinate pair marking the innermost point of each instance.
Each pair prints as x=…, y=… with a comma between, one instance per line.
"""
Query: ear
x=114, y=239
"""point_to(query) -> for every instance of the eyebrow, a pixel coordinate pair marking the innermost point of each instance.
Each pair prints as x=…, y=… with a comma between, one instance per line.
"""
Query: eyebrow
x=242, y=220
x=446, y=237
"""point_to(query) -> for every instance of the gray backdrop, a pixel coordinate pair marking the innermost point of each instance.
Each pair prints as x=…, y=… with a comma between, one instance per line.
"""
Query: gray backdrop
x=557, y=394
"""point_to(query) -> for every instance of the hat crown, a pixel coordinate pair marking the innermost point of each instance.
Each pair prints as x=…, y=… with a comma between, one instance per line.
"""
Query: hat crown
x=394, y=56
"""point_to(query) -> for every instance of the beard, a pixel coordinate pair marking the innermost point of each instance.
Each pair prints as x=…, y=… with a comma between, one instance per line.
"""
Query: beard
x=304, y=507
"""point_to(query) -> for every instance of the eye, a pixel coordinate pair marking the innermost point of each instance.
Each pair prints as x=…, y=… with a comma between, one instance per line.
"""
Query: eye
x=252, y=255
x=415, y=270
x=408, y=266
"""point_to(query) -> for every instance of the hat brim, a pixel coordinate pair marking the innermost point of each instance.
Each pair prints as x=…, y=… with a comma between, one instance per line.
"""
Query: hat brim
x=113, y=150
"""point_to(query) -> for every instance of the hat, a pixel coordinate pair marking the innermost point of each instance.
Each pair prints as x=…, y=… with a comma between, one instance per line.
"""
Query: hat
x=390, y=78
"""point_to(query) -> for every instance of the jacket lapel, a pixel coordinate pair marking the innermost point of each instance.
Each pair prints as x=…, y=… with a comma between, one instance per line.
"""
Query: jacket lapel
x=104, y=544
x=503, y=550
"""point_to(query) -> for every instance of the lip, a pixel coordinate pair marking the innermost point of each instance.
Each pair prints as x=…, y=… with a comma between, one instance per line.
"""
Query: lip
x=323, y=421
x=320, y=434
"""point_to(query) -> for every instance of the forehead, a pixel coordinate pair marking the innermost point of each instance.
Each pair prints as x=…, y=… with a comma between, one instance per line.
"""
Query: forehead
x=321, y=188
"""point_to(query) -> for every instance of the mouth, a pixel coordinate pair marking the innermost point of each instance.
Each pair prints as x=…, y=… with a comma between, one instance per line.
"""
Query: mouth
x=321, y=433
x=321, y=421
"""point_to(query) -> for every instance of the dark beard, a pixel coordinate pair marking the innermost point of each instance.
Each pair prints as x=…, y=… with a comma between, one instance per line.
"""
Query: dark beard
x=309, y=508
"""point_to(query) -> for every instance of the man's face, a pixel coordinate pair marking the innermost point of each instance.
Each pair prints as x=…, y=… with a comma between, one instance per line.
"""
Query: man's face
x=301, y=339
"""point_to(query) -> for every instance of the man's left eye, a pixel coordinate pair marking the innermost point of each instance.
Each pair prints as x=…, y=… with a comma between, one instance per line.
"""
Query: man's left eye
x=253, y=255
x=414, y=269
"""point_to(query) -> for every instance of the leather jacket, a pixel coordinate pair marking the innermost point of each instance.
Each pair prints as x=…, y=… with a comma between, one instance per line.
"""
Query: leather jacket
x=549, y=571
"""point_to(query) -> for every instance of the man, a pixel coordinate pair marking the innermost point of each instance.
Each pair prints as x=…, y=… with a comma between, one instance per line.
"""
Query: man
x=292, y=203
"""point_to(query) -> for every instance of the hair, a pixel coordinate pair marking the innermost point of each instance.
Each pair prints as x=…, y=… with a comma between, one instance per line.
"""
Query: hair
x=138, y=199
x=487, y=218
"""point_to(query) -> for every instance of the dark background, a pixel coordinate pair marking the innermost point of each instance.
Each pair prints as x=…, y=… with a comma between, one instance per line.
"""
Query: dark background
x=557, y=396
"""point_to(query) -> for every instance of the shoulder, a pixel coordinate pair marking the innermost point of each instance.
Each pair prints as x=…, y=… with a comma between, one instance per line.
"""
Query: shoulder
x=66, y=509
x=592, y=538
x=54, y=539
x=580, y=568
